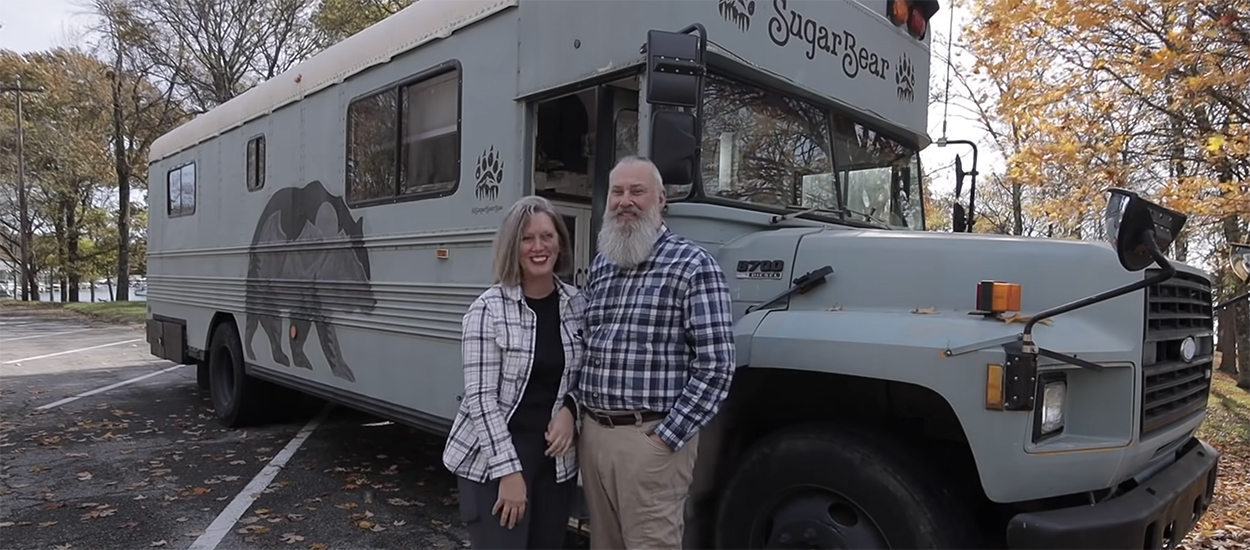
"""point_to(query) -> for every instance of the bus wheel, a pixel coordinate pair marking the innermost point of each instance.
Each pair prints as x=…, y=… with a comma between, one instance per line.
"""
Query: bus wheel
x=236, y=396
x=838, y=487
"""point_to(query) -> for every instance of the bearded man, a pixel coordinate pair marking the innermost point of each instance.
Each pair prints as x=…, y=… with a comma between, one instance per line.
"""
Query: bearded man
x=659, y=360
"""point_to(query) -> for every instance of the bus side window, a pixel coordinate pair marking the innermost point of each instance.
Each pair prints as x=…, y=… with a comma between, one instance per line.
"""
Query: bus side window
x=404, y=142
x=180, y=190
x=256, y=163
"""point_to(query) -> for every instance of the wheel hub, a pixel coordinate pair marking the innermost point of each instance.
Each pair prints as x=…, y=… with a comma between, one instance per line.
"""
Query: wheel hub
x=821, y=520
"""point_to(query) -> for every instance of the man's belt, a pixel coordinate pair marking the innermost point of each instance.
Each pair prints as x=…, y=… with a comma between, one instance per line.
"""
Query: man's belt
x=623, y=418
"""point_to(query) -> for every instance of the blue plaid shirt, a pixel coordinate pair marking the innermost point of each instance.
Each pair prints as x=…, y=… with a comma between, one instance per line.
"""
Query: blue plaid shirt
x=659, y=337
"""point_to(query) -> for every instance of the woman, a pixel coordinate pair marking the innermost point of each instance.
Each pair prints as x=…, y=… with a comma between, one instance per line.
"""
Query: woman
x=511, y=444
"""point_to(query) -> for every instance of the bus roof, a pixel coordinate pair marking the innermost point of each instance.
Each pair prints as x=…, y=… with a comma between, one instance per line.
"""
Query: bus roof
x=420, y=22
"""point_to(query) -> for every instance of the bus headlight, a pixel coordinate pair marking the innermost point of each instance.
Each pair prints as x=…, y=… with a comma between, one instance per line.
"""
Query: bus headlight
x=1053, y=396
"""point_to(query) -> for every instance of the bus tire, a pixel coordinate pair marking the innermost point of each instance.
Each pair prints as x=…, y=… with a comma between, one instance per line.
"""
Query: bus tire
x=839, y=487
x=237, y=398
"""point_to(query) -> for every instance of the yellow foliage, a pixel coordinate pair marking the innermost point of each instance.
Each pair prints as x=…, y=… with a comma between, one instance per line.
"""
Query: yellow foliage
x=1136, y=94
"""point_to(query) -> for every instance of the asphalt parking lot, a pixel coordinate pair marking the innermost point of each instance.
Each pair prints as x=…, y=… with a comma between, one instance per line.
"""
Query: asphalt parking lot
x=104, y=446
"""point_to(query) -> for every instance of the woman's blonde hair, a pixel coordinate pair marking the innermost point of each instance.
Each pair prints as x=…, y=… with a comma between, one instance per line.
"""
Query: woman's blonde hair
x=507, y=265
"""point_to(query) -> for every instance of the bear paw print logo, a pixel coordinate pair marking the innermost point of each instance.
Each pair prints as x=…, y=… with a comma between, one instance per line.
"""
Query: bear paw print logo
x=905, y=77
x=738, y=12
x=489, y=174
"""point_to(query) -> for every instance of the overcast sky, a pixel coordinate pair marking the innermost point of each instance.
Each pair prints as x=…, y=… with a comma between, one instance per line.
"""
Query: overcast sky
x=32, y=25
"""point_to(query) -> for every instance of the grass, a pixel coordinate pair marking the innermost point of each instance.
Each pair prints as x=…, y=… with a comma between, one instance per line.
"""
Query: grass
x=1228, y=415
x=112, y=312
x=109, y=312
x=1227, y=428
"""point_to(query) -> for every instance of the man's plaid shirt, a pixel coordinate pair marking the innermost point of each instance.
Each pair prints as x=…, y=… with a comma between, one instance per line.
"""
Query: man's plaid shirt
x=659, y=337
x=497, y=349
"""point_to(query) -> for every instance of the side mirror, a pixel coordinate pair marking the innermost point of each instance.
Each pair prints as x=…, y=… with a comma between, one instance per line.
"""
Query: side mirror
x=1239, y=259
x=959, y=220
x=673, y=146
x=674, y=67
x=959, y=175
x=1129, y=217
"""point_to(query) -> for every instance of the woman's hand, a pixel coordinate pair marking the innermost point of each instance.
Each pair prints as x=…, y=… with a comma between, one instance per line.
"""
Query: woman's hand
x=510, y=506
x=560, y=433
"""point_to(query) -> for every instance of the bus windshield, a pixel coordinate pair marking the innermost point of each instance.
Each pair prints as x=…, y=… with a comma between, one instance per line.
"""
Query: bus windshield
x=768, y=149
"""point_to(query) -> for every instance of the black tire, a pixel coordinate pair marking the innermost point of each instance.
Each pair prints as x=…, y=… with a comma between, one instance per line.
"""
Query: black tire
x=202, y=375
x=238, y=399
x=839, y=487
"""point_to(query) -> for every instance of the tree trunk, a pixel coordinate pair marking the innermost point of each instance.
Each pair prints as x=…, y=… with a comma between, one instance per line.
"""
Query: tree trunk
x=1243, y=346
x=1226, y=340
x=1017, y=209
x=56, y=278
x=123, y=182
x=1227, y=337
x=73, y=261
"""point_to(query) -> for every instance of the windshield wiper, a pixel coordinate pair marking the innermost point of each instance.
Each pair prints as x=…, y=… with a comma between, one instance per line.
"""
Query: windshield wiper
x=871, y=217
x=833, y=211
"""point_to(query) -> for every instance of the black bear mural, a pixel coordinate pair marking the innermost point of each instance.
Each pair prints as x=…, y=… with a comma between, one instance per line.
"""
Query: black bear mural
x=291, y=272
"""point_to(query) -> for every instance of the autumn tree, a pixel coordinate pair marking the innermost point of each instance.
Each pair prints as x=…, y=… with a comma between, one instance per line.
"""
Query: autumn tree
x=66, y=150
x=1148, y=96
x=142, y=109
x=211, y=51
x=335, y=20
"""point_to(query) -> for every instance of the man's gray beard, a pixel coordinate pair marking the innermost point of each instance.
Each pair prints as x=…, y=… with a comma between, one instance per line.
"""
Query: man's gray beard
x=629, y=243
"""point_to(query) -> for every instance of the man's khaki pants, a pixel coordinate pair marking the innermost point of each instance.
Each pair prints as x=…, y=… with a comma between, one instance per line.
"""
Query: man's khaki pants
x=635, y=487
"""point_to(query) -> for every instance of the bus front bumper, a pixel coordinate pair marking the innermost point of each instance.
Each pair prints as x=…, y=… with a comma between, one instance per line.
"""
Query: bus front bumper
x=1158, y=513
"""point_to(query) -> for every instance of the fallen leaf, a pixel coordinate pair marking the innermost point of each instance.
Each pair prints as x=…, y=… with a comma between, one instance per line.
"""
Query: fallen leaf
x=399, y=522
x=162, y=541
x=183, y=518
x=84, y=476
x=47, y=524
x=9, y=523
x=261, y=511
x=365, y=524
x=315, y=545
x=66, y=546
x=201, y=491
x=291, y=538
x=399, y=502
x=253, y=529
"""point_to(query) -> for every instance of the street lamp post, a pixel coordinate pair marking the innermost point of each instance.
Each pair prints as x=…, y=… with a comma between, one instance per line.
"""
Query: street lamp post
x=24, y=214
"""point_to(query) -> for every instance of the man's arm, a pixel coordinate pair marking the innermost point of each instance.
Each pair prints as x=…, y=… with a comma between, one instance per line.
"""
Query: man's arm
x=709, y=328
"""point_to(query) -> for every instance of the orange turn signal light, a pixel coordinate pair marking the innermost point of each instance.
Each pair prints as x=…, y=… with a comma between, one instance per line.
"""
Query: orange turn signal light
x=997, y=297
x=900, y=10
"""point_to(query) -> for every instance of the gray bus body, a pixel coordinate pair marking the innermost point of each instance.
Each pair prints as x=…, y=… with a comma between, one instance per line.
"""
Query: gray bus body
x=325, y=231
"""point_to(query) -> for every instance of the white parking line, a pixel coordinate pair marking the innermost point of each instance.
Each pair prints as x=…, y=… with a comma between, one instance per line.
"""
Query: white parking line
x=70, y=351
x=44, y=335
x=224, y=521
x=73, y=398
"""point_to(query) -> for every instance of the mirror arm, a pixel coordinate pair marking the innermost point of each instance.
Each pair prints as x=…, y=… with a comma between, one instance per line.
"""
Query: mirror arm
x=1234, y=300
x=1151, y=246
